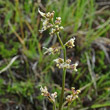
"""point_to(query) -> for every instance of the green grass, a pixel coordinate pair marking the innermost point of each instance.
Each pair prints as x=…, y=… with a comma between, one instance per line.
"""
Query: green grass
x=19, y=36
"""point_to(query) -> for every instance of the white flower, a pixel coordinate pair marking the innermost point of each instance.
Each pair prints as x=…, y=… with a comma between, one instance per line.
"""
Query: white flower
x=69, y=98
x=58, y=18
x=61, y=64
x=53, y=96
x=61, y=27
x=51, y=50
x=59, y=60
x=41, y=13
x=44, y=91
x=68, y=61
x=73, y=96
x=48, y=50
x=64, y=65
x=47, y=15
x=78, y=91
x=70, y=43
x=45, y=23
x=52, y=31
x=73, y=66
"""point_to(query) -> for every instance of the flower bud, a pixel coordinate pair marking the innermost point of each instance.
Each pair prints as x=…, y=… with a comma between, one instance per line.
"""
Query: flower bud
x=68, y=61
x=61, y=28
x=58, y=20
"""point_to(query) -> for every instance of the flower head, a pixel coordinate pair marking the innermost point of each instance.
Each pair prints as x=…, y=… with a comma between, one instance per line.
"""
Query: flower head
x=47, y=18
x=73, y=96
x=69, y=98
x=64, y=65
x=59, y=60
x=44, y=91
x=49, y=23
x=70, y=43
x=51, y=50
x=73, y=66
x=61, y=64
x=58, y=20
x=53, y=96
x=56, y=28
x=68, y=61
x=48, y=15
x=46, y=25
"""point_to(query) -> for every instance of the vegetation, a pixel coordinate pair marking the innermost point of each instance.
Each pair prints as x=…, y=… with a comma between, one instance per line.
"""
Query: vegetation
x=24, y=67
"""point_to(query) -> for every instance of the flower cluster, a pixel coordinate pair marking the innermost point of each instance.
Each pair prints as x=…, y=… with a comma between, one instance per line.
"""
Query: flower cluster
x=73, y=96
x=54, y=25
x=45, y=93
x=61, y=64
x=48, y=22
x=70, y=43
x=55, y=29
x=51, y=50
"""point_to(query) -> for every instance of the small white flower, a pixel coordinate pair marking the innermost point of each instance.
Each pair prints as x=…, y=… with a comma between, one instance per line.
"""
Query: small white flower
x=73, y=66
x=56, y=26
x=58, y=18
x=41, y=13
x=45, y=23
x=52, y=31
x=73, y=96
x=69, y=98
x=59, y=60
x=61, y=27
x=78, y=91
x=64, y=65
x=51, y=50
x=48, y=50
x=70, y=43
x=44, y=91
x=53, y=96
x=47, y=15
x=68, y=61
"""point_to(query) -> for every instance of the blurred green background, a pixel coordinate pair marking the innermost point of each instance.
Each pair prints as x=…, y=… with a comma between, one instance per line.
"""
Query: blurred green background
x=24, y=67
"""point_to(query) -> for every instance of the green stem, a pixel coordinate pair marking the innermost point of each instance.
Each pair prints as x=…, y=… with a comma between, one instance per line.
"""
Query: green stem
x=63, y=46
x=63, y=86
x=68, y=106
x=54, y=106
x=64, y=72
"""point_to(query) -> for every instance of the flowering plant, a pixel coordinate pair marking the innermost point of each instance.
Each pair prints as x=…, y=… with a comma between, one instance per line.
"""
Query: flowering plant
x=63, y=63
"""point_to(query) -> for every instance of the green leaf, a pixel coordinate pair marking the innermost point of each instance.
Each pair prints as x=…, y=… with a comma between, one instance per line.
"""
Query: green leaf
x=101, y=105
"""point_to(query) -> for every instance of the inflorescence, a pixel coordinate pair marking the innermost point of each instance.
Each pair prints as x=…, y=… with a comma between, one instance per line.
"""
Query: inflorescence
x=55, y=27
x=45, y=93
x=73, y=96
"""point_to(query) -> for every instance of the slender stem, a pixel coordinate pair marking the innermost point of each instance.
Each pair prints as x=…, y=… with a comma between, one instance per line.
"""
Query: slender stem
x=60, y=40
x=63, y=46
x=54, y=106
x=68, y=106
x=63, y=86
x=64, y=72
